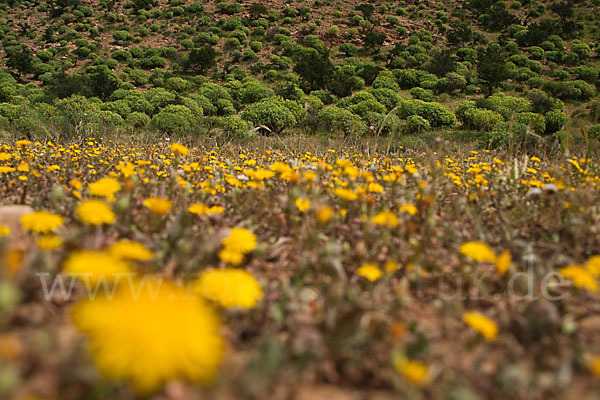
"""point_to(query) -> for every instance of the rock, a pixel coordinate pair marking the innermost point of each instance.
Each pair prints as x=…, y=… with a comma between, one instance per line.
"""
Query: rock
x=18, y=239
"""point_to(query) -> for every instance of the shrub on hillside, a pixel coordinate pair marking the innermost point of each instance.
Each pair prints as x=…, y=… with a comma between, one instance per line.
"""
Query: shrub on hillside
x=174, y=119
x=436, y=114
x=273, y=112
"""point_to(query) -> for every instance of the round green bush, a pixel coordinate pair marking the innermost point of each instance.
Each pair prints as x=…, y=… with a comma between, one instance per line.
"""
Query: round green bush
x=137, y=120
x=417, y=124
x=174, y=119
x=233, y=124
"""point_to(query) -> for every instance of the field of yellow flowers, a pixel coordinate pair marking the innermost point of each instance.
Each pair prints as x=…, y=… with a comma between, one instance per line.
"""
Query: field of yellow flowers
x=179, y=272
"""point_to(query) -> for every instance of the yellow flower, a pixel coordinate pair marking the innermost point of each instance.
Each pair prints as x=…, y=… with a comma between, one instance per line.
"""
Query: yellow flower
x=482, y=324
x=375, y=187
x=158, y=206
x=581, y=277
x=386, y=218
x=594, y=365
x=478, y=251
x=593, y=265
x=138, y=337
x=126, y=250
x=76, y=184
x=201, y=209
x=240, y=240
x=369, y=271
x=231, y=256
x=41, y=222
x=303, y=204
x=95, y=212
x=229, y=287
x=408, y=208
x=95, y=266
x=324, y=214
x=4, y=230
x=105, y=187
x=49, y=242
x=346, y=194
x=180, y=149
x=390, y=266
x=413, y=371
x=503, y=262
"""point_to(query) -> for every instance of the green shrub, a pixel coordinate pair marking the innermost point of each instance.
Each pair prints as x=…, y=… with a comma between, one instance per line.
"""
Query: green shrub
x=555, y=121
x=174, y=119
x=536, y=121
x=137, y=120
x=417, y=124
x=574, y=90
x=233, y=124
x=436, y=114
x=340, y=120
x=366, y=107
x=421, y=94
x=481, y=119
x=272, y=112
x=594, y=132
x=505, y=105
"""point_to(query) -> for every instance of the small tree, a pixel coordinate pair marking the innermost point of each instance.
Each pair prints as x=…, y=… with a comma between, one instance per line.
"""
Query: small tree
x=199, y=60
x=491, y=67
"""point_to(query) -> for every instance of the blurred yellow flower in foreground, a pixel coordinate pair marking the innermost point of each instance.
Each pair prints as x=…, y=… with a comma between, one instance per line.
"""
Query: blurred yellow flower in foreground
x=158, y=206
x=128, y=250
x=180, y=149
x=386, y=218
x=303, y=205
x=41, y=222
x=346, y=194
x=581, y=277
x=594, y=365
x=95, y=266
x=478, y=251
x=4, y=230
x=503, y=262
x=95, y=212
x=49, y=242
x=482, y=324
x=413, y=371
x=201, y=209
x=240, y=240
x=105, y=187
x=137, y=335
x=324, y=214
x=593, y=265
x=369, y=271
x=229, y=287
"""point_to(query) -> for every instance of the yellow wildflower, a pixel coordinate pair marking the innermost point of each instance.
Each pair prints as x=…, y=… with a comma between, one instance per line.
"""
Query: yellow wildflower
x=4, y=230
x=503, y=262
x=231, y=256
x=413, y=371
x=158, y=206
x=41, y=222
x=324, y=214
x=386, y=218
x=105, y=187
x=594, y=365
x=229, y=287
x=369, y=271
x=180, y=149
x=581, y=277
x=201, y=209
x=95, y=212
x=478, y=251
x=346, y=194
x=303, y=204
x=136, y=336
x=95, y=266
x=127, y=250
x=482, y=324
x=49, y=242
x=240, y=240
x=593, y=265
x=409, y=209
